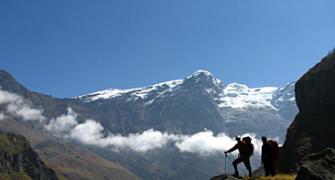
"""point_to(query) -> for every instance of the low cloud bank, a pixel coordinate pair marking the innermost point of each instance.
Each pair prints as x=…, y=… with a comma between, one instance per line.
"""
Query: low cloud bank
x=206, y=143
x=91, y=132
x=2, y=116
x=139, y=142
x=203, y=143
x=18, y=107
x=63, y=124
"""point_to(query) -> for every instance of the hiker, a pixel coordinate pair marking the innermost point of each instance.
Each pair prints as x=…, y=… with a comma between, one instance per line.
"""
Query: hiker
x=270, y=154
x=246, y=149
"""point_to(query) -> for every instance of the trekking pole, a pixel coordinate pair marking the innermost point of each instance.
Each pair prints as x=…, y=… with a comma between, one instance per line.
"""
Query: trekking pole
x=228, y=157
x=225, y=164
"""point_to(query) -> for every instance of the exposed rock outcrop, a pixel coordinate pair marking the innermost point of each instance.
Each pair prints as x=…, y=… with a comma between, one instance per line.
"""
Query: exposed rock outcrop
x=313, y=128
x=318, y=166
x=17, y=158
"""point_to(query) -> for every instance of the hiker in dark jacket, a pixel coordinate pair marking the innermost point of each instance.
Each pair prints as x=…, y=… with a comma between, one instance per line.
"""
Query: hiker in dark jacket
x=245, y=148
x=268, y=157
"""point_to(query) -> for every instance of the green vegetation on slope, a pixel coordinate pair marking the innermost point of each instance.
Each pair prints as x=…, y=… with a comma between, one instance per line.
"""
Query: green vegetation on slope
x=7, y=145
x=14, y=175
x=19, y=161
x=278, y=177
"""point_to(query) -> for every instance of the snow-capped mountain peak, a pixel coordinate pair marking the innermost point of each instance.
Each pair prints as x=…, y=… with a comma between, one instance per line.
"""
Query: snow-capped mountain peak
x=284, y=93
x=202, y=75
x=233, y=95
x=241, y=96
x=135, y=93
x=235, y=87
x=200, y=78
x=201, y=72
x=204, y=79
x=105, y=94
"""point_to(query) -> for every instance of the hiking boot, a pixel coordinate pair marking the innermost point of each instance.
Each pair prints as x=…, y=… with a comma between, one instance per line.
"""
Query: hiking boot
x=236, y=175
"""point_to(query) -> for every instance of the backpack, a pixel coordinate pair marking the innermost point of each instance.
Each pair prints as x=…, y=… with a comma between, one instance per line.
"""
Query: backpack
x=250, y=150
x=248, y=147
x=275, y=149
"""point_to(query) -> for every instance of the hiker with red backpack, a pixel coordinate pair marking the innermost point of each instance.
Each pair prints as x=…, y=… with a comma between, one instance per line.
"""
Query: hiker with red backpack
x=246, y=149
x=270, y=155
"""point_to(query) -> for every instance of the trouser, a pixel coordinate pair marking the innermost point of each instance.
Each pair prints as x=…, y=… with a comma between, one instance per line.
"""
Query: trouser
x=246, y=162
x=269, y=168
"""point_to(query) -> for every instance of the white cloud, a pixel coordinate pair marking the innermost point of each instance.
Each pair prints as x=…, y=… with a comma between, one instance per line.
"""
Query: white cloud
x=2, y=116
x=203, y=143
x=17, y=106
x=206, y=143
x=25, y=111
x=91, y=132
x=140, y=142
x=7, y=97
x=63, y=124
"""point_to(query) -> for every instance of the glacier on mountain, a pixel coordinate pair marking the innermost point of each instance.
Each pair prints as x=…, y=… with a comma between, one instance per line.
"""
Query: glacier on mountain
x=241, y=96
x=233, y=95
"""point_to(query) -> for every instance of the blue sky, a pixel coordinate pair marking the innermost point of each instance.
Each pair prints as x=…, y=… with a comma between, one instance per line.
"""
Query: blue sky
x=71, y=47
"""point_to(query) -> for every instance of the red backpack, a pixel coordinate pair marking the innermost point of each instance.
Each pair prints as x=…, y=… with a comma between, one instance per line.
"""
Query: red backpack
x=275, y=149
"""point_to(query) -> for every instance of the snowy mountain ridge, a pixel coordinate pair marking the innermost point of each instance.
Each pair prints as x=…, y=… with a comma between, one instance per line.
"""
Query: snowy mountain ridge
x=135, y=93
x=241, y=96
x=233, y=95
x=181, y=107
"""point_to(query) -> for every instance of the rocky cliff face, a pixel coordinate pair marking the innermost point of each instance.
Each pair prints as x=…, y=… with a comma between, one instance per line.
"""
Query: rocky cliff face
x=318, y=166
x=18, y=159
x=313, y=127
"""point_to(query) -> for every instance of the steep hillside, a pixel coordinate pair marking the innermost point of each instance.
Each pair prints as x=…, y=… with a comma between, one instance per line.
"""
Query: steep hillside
x=68, y=160
x=19, y=161
x=313, y=128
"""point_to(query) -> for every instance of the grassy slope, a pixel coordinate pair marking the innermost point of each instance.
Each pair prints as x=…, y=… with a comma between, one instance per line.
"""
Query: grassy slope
x=14, y=175
x=279, y=177
x=8, y=147
x=69, y=161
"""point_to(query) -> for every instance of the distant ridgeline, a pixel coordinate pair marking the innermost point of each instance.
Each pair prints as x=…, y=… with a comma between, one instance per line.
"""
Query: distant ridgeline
x=19, y=161
x=313, y=128
x=186, y=106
